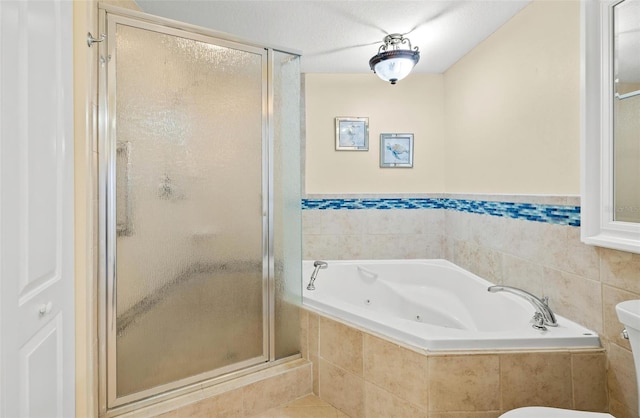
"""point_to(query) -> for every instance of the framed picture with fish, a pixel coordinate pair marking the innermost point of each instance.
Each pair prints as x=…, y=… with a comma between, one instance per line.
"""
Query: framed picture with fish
x=396, y=150
x=352, y=134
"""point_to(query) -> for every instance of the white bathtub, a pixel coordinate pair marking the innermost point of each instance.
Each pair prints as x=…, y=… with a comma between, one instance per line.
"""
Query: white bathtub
x=433, y=304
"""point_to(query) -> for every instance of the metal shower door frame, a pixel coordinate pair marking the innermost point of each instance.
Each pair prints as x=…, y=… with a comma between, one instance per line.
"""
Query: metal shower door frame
x=109, y=17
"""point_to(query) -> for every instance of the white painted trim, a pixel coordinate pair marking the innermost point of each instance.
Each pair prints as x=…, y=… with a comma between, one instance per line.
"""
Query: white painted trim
x=2, y=374
x=598, y=226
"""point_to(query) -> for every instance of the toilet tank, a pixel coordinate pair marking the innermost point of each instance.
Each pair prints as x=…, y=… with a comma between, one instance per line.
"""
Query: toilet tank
x=629, y=315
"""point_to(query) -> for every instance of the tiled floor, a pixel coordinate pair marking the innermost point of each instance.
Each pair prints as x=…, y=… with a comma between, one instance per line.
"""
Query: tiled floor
x=308, y=407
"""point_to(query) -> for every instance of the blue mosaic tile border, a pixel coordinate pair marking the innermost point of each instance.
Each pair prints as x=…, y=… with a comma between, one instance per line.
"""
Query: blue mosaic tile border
x=554, y=214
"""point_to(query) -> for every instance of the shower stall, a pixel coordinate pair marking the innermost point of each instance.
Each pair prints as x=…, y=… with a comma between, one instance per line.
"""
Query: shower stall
x=199, y=207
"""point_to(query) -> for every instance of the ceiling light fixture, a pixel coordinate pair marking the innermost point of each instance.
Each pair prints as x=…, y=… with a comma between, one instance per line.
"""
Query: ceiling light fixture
x=392, y=63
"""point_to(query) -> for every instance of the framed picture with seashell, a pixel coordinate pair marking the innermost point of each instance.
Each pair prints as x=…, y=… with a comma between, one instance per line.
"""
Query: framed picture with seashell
x=352, y=134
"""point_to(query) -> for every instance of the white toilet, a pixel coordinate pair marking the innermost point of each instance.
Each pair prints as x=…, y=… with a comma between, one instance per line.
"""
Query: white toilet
x=543, y=412
x=629, y=316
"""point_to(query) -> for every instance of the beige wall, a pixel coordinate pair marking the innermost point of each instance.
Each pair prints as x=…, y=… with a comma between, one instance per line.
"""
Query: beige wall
x=511, y=109
x=84, y=20
x=415, y=105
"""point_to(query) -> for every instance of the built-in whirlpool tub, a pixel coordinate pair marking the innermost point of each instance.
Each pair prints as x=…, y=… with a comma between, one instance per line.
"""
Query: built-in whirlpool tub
x=469, y=349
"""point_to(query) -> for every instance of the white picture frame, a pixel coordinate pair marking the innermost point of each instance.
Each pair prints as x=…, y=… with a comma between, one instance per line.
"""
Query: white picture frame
x=352, y=133
x=396, y=150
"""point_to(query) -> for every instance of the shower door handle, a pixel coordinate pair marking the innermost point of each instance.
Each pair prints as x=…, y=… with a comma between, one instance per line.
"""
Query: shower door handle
x=123, y=207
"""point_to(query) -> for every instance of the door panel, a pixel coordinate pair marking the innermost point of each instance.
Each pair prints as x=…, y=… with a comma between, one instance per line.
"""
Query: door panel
x=41, y=391
x=36, y=209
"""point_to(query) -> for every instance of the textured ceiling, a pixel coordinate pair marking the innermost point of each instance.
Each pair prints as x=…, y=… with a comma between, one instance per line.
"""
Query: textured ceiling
x=341, y=36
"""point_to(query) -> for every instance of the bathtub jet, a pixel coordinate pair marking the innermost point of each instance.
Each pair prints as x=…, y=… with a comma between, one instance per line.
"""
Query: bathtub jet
x=317, y=265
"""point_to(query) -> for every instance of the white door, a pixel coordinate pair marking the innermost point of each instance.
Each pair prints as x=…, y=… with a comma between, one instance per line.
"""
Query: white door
x=36, y=209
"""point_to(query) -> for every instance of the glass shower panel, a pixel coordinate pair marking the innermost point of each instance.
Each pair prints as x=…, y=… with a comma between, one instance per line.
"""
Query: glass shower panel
x=286, y=196
x=188, y=154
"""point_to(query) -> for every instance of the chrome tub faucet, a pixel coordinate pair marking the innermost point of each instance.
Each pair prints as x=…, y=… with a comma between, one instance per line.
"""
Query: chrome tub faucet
x=317, y=265
x=544, y=316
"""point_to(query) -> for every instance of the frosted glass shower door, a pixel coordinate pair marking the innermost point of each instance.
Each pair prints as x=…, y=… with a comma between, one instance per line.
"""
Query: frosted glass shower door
x=187, y=196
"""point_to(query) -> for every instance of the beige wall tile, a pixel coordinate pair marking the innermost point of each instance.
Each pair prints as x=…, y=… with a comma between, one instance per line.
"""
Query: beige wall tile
x=582, y=259
x=482, y=261
x=170, y=414
x=395, y=221
x=333, y=222
x=465, y=254
x=620, y=269
x=373, y=234
x=305, y=401
x=489, y=264
x=589, y=377
x=573, y=200
x=304, y=333
x=436, y=245
x=458, y=225
x=314, y=333
x=466, y=414
x=308, y=412
x=574, y=297
x=622, y=378
x=464, y=383
x=522, y=273
x=342, y=389
x=552, y=244
x=535, y=379
x=397, y=246
x=400, y=371
x=523, y=239
x=332, y=247
x=434, y=220
x=381, y=404
x=619, y=410
x=611, y=296
x=315, y=361
x=227, y=405
x=306, y=407
x=449, y=249
x=341, y=345
x=261, y=396
x=489, y=231
x=384, y=367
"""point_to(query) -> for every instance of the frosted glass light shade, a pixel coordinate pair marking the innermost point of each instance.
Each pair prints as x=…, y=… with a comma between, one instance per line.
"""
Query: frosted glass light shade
x=395, y=65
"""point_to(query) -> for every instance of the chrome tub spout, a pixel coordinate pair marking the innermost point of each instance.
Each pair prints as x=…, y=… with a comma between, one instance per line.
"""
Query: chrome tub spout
x=317, y=265
x=544, y=316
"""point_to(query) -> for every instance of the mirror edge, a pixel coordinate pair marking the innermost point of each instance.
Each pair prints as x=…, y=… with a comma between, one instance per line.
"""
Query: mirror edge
x=597, y=224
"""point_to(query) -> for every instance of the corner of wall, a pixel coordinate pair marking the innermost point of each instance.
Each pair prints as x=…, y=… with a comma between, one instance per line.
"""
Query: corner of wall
x=84, y=20
x=494, y=146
